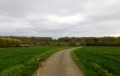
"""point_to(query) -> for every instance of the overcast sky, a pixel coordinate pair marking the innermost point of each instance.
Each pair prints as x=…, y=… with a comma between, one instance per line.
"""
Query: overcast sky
x=60, y=18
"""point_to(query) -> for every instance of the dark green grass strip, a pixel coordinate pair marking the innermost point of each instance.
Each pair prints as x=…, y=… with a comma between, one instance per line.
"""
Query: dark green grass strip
x=98, y=61
x=15, y=56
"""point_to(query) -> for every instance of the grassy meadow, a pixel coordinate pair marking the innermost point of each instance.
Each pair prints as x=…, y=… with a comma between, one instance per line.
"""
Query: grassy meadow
x=98, y=60
x=22, y=61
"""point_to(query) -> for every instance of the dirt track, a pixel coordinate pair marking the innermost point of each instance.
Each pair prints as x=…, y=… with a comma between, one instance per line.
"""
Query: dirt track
x=60, y=64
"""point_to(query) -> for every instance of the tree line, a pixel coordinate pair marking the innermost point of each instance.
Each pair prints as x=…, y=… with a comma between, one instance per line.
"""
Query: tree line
x=92, y=41
x=14, y=41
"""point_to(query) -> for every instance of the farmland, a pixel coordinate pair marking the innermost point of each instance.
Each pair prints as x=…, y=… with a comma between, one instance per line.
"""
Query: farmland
x=98, y=60
x=22, y=61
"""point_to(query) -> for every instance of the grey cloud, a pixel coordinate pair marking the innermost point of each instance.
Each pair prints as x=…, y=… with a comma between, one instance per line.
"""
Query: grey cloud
x=28, y=17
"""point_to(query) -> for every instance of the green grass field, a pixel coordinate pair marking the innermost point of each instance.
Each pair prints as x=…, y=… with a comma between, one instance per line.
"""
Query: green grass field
x=98, y=60
x=22, y=61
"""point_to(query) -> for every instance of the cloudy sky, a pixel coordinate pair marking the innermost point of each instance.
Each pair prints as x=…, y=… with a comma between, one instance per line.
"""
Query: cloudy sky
x=60, y=18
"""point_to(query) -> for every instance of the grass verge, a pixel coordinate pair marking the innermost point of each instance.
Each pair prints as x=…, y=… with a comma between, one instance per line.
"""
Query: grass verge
x=30, y=66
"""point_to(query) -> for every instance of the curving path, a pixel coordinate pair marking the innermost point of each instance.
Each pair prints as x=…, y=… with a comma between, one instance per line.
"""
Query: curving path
x=59, y=64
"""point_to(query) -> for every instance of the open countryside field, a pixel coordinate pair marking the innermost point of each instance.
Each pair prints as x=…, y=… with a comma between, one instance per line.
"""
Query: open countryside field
x=22, y=61
x=98, y=60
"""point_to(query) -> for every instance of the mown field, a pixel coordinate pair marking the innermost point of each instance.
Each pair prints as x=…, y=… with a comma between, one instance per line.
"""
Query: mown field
x=98, y=60
x=22, y=61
